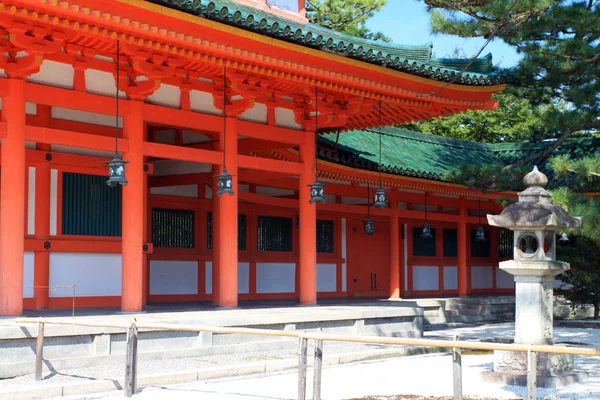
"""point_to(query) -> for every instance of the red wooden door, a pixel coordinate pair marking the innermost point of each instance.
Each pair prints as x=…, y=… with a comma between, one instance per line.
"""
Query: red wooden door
x=368, y=262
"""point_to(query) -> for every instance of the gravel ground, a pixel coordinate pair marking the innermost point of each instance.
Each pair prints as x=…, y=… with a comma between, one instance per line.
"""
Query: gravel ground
x=182, y=364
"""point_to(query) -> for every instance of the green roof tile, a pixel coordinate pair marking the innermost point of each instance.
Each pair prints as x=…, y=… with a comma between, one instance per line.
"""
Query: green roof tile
x=415, y=60
x=421, y=155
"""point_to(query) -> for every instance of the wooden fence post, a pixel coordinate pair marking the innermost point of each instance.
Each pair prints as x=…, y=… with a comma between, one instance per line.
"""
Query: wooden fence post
x=39, y=352
x=131, y=361
x=531, y=375
x=318, y=368
x=457, y=371
x=302, y=361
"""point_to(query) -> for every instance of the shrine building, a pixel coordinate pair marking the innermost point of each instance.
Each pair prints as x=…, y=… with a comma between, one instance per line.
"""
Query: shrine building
x=231, y=115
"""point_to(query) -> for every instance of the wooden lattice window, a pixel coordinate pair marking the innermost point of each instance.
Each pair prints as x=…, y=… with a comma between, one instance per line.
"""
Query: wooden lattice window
x=480, y=249
x=506, y=239
x=173, y=228
x=423, y=247
x=241, y=231
x=325, y=236
x=274, y=234
x=450, y=243
x=89, y=206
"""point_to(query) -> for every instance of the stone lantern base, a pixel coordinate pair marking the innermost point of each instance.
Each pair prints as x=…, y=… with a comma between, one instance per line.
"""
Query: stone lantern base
x=553, y=370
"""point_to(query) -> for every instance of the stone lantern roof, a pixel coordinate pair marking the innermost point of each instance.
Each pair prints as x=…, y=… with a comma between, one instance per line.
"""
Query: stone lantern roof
x=534, y=210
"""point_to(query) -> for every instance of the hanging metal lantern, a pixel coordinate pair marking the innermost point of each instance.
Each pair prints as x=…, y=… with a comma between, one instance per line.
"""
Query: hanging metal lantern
x=317, y=192
x=369, y=226
x=225, y=183
x=426, y=231
x=116, y=171
x=564, y=239
x=480, y=234
x=380, y=198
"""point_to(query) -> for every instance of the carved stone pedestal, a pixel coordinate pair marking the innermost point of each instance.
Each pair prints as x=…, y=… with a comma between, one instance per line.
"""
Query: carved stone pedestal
x=553, y=370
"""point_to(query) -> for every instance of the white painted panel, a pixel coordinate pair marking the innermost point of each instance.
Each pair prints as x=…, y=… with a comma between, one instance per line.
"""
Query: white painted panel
x=425, y=277
x=165, y=136
x=329, y=198
x=190, y=191
x=270, y=191
x=85, y=116
x=326, y=277
x=243, y=187
x=405, y=227
x=28, y=272
x=173, y=277
x=482, y=277
x=31, y=202
x=450, y=278
x=176, y=167
x=100, y=82
x=421, y=207
x=275, y=277
x=30, y=108
x=243, y=277
x=354, y=200
x=285, y=117
x=53, y=73
x=344, y=254
x=207, y=192
x=504, y=280
x=53, y=200
x=30, y=145
x=81, y=151
x=203, y=102
x=94, y=274
x=166, y=95
x=208, y=277
x=258, y=113
x=194, y=138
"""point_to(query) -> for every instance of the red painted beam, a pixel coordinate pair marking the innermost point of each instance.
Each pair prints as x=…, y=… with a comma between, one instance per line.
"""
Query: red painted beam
x=74, y=139
x=182, y=153
x=268, y=164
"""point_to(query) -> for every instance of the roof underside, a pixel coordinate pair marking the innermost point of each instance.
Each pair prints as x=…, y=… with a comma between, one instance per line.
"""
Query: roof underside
x=426, y=156
x=415, y=60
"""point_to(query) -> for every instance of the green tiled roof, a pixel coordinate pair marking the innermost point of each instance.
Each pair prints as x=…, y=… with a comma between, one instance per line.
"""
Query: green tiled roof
x=426, y=156
x=416, y=60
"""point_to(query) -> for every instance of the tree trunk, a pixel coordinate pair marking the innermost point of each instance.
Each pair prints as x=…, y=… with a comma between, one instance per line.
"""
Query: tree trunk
x=596, y=310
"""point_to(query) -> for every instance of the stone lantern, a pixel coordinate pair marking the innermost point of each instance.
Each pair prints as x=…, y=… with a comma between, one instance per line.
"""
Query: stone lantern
x=535, y=222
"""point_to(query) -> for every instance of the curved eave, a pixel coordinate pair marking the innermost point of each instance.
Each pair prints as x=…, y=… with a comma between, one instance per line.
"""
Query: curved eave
x=415, y=60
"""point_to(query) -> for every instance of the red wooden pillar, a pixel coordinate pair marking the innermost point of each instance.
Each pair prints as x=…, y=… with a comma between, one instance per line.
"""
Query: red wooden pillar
x=462, y=249
x=228, y=225
x=41, y=274
x=12, y=198
x=133, y=212
x=394, y=252
x=308, y=225
x=215, y=235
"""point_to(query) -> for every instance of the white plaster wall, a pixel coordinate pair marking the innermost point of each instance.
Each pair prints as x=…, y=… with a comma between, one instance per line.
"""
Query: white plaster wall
x=100, y=82
x=271, y=191
x=450, y=277
x=177, y=167
x=85, y=116
x=258, y=113
x=173, y=277
x=504, y=280
x=166, y=95
x=53, y=73
x=165, y=136
x=326, y=277
x=208, y=277
x=405, y=227
x=275, y=277
x=203, y=102
x=81, y=151
x=344, y=255
x=53, y=201
x=482, y=277
x=30, y=109
x=189, y=191
x=425, y=277
x=28, y=272
x=354, y=200
x=31, y=202
x=94, y=274
x=208, y=192
x=285, y=117
x=194, y=138
x=243, y=277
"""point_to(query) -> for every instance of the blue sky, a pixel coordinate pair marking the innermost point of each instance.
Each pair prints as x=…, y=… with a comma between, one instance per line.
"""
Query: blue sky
x=407, y=22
